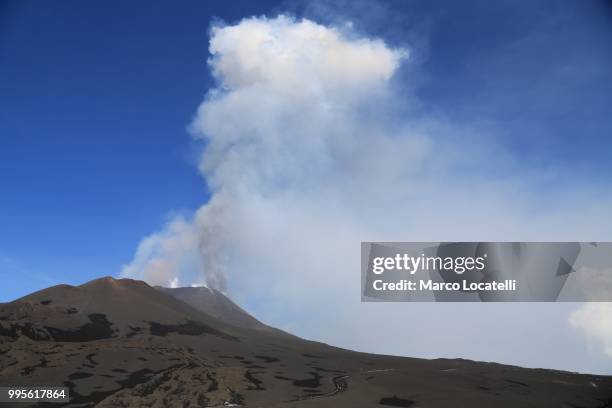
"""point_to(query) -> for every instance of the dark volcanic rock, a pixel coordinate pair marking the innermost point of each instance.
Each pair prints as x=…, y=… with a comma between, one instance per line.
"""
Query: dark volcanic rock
x=189, y=328
x=122, y=343
x=99, y=328
x=396, y=402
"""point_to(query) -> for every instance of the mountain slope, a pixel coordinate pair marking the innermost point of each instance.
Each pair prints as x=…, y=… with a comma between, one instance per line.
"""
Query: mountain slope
x=120, y=343
x=125, y=302
x=216, y=304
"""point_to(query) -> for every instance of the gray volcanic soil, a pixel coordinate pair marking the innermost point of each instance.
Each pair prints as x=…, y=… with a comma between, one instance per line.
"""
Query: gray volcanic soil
x=122, y=343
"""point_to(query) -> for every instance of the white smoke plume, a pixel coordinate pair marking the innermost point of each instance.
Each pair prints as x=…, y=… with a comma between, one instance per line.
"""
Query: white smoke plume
x=311, y=148
x=595, y=321
x=163, y=257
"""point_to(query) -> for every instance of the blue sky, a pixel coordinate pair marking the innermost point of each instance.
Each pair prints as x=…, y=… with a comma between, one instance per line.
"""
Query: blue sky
x=96, y=97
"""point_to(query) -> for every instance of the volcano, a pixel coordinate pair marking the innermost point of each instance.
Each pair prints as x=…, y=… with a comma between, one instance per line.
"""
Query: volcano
x=123, y=343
